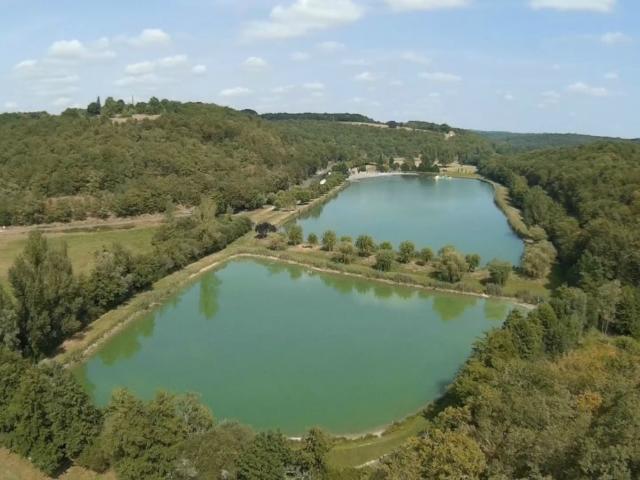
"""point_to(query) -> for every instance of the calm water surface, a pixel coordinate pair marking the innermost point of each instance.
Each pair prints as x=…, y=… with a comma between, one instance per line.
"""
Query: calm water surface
x=279, y=346
x=431, y=213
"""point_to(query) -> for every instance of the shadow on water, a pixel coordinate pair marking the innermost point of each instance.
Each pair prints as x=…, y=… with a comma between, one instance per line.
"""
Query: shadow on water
x=126, y=346
x=496, y=311
x=452, y=307
x=209, y=290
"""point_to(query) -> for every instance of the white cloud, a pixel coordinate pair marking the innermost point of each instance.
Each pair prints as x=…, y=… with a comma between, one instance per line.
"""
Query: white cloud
x=64, y=79
x=255, y=63
x=300, y=56
x=407, y=5
x=434, y=95
x=61, y=102
x=614, y=38
x=356, y=62
x=145, y=79
x=567, y=5
x=10, y=106
x=330, y=46
x=611, y=76
x=302, y=17
x=586, y=89
x=314, y=86
x=173, y=61
x=140, y=68
x=150, y=37
x=25, y=65
x=396, y=83
x=235, y=92
x=441, y=77
x=282, y=89
x=199, y=69
x=414, y=57
x=365, y=77
x=150, y=66
x=76, y=50
x=509, y=97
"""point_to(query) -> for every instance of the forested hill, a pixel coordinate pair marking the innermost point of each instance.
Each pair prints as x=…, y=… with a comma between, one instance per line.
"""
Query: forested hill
x=329, y=117
x=509, y=142
x=101, y=161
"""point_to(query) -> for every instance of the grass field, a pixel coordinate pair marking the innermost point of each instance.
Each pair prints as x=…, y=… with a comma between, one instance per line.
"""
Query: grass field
x=354, y=453
x=14, y=467
x=81, y=245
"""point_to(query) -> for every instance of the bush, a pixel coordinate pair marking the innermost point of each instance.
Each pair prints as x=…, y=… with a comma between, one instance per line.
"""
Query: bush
x=385, y=246
x=312, y=239
x=295, y=235
x=473, y=261
x=451, y=265
x=365, y=245
x=384, y=260
x=277, y=242
x=345, y=253
x=493, y=289
x=499, y=272
x=406, y=252
x=425, y=255
x=329, y=240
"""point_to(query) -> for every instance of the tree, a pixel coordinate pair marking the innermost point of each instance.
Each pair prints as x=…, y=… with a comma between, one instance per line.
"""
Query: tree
x=384, y=260
x=345, y=253
x=425, y=255
x=329, y=240
x=406, y=252
x=295, y=235
x=527, y=334
x=499, y=272
x=49, y=418
x=365, y=245
x=265, y=458
x=265, y=228
x=538, y=258
x=94, y=108
x=278, y=242
x=385, y=246
x=47, y=299
x=315, y=446
x=451, y=265
x=8, y=322
x=312, y=239
x=473, y=260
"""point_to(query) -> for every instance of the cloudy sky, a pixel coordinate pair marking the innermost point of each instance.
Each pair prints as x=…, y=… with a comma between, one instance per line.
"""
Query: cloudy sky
x=518, y=65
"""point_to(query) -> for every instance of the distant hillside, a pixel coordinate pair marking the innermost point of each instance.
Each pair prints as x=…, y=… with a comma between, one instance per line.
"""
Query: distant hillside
x=331, y=117
x=508, y=142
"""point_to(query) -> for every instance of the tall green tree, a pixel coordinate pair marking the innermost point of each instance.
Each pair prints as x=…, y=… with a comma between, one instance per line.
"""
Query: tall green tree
x=47, y=297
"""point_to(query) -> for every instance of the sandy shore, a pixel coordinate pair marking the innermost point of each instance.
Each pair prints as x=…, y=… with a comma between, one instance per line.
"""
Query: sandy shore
x=362, y=175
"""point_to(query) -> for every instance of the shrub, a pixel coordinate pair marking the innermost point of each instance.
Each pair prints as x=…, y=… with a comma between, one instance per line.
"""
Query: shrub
x=312, y=239
x=329, y=240
x=384, y=260
x=406, y=252
x=294, y=235
x=365, y=245
x=499, y=271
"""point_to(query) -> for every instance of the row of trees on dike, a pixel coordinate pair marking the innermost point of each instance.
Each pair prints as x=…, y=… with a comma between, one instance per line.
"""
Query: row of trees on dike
x=46, y=416
x=49, y=303
x=449, y=265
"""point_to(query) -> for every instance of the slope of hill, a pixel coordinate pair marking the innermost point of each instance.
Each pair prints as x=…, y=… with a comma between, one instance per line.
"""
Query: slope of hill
x=507, y=142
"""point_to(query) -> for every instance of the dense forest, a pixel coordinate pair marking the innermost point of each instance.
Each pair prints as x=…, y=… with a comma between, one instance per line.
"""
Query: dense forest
x=86, y=164
x=509, y=142
x=552, y=394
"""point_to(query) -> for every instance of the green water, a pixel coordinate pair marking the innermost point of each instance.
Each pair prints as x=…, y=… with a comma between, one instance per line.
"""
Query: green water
x=431, y=213
x=280, y=346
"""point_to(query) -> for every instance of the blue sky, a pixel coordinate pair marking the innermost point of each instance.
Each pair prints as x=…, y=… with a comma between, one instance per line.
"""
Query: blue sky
x=518, y=65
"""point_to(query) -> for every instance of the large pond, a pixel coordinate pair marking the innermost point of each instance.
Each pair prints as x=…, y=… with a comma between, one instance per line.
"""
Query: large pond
x=431, y=213
x=280, y=346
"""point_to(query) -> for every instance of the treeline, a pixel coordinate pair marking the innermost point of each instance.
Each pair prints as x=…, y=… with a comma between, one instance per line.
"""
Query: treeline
x=327, y=117
x=588, y=201
x=49, y=303
x=509, y=142
x=359, y=144
x=46, y=416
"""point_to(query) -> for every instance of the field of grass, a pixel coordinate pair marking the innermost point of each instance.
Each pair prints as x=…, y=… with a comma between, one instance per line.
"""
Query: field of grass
x=81, y=245
x=354, y=453
x=14, y=467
